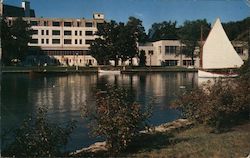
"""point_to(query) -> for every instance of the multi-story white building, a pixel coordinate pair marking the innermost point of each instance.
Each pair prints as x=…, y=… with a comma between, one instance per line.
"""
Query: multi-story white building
x=166, y=53
x=66, y=41
x=60, y=40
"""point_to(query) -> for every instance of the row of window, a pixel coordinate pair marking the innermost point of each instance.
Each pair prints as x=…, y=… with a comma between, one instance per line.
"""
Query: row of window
x=58, y=41
x=65, y=52
x=171, y=49
x=66, y=32
x=65, y=23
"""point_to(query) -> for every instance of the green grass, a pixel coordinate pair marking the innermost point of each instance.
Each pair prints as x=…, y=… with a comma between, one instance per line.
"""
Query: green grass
x=197, y=142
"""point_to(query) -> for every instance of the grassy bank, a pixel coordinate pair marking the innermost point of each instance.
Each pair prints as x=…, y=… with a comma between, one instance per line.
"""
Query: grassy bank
x=197, y=142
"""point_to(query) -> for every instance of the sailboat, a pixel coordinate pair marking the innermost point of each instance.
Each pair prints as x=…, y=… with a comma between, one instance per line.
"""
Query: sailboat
x=218, y=55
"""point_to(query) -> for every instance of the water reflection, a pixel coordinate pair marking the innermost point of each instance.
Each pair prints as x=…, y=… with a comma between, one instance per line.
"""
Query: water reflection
x=64, y=95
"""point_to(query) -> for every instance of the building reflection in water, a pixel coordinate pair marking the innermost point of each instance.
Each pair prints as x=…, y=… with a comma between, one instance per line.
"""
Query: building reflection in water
x=65, y=95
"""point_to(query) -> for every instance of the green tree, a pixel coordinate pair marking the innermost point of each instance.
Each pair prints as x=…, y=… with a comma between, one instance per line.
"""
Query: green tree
x=38, y=137
x=117, y=40
x=219, y=105
x=190, y=35
x=104, y=48
x=234, y=29
x=142, y=58
x=15, y=39
x=117, y=117
x=166, y=30
x=137, y=29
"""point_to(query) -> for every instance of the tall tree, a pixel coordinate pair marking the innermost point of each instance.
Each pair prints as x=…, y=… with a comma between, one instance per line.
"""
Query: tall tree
x=234, y=29
x=190, y=34
x=15, y=39
x=136, y=27
x=142, y=58
x=103, y=48
x=117, y=40
x=166, y=30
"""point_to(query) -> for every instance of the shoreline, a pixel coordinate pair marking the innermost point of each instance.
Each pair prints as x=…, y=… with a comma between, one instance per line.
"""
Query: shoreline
x=69, y=70
x=169, y=127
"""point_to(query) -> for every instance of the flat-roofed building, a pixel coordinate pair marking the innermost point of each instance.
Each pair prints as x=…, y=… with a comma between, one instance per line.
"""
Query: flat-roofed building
x=63, y=41
x=166, y=53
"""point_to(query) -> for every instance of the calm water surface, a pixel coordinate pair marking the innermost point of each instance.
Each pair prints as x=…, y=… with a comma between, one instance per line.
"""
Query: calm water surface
x=63, y=95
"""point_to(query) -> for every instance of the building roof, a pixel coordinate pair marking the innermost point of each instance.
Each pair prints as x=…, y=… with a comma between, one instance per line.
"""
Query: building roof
x=13, y=11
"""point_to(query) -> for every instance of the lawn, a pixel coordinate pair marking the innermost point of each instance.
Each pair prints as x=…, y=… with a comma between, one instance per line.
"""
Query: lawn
x=196, y=142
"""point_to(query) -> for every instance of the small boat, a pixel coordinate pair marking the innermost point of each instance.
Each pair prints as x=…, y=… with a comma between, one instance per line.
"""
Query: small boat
x=109, y=72
x=207, y=74
x=218, y=56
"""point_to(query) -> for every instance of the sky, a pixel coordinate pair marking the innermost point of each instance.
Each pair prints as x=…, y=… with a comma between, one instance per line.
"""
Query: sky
x=149, y=11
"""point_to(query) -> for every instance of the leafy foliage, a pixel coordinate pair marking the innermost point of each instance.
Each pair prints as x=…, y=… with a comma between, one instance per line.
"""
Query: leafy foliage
x=166, y=30
x=234, y=29
x=15, y=40
x=142, y=57
x=117, y=117
x=190, y=34
x=219, y=104
x=37, y=137
x=117, y=40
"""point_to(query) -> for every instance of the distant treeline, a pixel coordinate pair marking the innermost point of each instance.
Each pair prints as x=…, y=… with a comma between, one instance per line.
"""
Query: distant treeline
x=168, y=30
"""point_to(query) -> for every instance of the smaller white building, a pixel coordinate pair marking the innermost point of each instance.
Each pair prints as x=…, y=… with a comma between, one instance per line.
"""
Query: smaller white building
x=166, y=53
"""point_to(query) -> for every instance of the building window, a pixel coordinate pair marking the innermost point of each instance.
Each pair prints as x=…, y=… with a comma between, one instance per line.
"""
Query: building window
x=55, y=23
x=80, y=41
x=67, y=33
x=42, y=41
x=150, y=52
x=170, y=63
x=35, y=32
x=67, y=41
x=33, y=23
x=45, y=23
x=67, y=24
x=75, y=41
x=88, y=24
x=34, y=41
x=56, y=32
x=75, y=33
x=78, y=24
x=47, y=41
x=99, y=25
x=42, y=33
x=187, y=62
x=88, y=41
x=170, y=50
x=47, y=32
x=80, y=33
x=55, y=41
x=239, y=50
x=88, y=33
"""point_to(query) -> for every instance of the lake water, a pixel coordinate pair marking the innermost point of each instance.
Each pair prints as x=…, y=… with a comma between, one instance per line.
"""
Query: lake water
x=22, y=94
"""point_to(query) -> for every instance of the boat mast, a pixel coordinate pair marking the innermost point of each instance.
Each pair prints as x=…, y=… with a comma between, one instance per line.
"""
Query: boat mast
x=201, y=47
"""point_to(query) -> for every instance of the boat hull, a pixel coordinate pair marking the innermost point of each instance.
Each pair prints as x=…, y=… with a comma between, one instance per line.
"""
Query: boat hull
x=206, y=74
x=109, y=72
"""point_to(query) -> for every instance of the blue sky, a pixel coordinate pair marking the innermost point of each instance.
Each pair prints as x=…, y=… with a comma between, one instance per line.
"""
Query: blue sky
x=149, y=11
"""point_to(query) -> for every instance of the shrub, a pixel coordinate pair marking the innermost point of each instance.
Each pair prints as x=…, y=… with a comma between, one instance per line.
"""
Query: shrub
x=117, y=117
x=37, y=137
x=220, y=104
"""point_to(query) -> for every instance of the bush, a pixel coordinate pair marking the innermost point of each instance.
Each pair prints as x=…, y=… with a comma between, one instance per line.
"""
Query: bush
x=117, y=118
x=37, y=137
x=220, y=104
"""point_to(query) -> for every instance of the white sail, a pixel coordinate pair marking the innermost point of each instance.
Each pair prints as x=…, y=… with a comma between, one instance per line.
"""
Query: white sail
x=218, y=52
